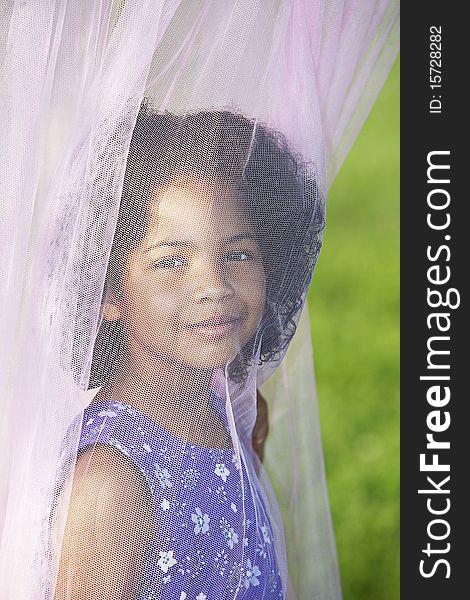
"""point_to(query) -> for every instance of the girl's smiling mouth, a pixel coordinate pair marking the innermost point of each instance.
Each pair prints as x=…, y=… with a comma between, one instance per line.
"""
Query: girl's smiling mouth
x=217, y=326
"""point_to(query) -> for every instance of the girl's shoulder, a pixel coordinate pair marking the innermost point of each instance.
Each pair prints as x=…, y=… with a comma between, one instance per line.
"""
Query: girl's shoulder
x=103, y=469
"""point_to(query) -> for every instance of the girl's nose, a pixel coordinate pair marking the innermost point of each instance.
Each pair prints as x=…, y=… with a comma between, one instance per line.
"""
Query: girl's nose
x=211, y=282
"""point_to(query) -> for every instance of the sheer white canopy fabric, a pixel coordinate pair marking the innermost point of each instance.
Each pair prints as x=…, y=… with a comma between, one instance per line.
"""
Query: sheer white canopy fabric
x=212, y=130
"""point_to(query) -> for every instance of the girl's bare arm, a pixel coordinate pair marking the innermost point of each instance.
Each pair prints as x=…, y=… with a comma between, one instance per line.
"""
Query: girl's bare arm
x=261, y=428
x=109, y=524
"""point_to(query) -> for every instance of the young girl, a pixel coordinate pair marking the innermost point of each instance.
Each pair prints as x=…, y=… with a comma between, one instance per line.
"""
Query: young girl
x=218, y=231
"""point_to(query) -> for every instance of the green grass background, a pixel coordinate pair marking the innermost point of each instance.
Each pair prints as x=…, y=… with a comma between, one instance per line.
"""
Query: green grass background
x=354, y=312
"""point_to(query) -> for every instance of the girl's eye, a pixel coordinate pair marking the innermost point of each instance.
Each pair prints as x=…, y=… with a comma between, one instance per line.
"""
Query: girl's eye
x=240, y=255
x=169, y=262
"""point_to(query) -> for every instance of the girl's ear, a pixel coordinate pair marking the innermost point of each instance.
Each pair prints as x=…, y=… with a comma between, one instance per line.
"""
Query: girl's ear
x=110, y=309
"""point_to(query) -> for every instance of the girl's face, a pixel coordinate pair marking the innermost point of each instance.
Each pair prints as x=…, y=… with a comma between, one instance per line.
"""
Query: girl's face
x=194, y=289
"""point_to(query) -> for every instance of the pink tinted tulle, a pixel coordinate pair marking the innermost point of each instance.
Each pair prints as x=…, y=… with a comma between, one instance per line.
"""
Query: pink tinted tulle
x=74, y=73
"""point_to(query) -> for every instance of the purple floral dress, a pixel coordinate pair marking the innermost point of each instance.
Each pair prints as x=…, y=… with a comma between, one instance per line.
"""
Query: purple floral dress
x=210, y=540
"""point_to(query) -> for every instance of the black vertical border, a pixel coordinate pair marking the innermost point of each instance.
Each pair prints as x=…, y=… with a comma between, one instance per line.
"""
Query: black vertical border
x=421, y=133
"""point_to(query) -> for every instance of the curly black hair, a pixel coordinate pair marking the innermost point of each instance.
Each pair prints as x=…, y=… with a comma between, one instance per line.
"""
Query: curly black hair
x=277, y=187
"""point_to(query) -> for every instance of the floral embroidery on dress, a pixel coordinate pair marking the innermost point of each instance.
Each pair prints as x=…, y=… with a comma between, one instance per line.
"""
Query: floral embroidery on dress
x=166, y=560
x=189, y=478
x=163, y=476
x=202, y=521
x=221, y=494
x=221, y=562
x=265, y=532
x=222, y=471
x=229, y=534
x=251, y=574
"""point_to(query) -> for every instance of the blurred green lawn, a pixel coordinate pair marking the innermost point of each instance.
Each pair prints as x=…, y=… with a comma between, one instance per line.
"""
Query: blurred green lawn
x=354, y=312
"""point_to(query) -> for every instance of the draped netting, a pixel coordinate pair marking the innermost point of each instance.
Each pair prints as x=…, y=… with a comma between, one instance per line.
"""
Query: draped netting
x=163, y=182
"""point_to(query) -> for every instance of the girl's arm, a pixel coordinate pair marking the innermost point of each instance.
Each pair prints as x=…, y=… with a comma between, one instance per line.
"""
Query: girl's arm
x=261, y=428
x=109, y=524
